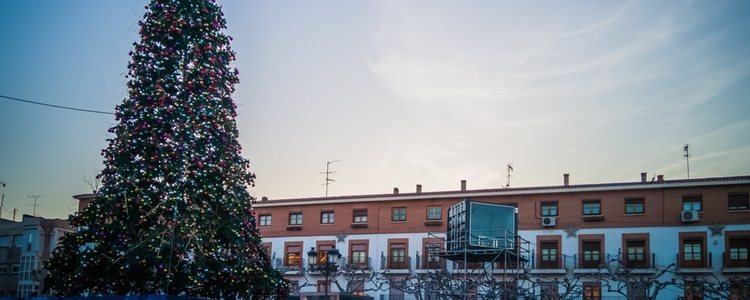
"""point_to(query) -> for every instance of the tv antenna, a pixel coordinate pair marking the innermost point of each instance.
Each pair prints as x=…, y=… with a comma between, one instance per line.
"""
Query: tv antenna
x=36, y=197
x=328, y=173
x=510, y=169
x=687, y=158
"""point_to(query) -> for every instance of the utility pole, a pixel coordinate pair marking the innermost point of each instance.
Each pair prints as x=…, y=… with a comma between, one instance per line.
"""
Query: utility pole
x=14, y=214
x=2, y=200
x=36, y=197
x=687, y=158
x=328, y=173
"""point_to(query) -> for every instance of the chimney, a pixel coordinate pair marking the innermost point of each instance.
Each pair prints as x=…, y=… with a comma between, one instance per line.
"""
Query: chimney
x=643, y=176
x=660, y=178
x=463, y=185
x=566, y=179
x=263, y=199
x=419, y=188
x=395, y=191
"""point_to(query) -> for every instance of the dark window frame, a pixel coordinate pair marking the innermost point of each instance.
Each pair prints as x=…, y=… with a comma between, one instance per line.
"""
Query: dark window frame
x=265, y=220
x=397, y=258
x=591, y=253
x=692, y=199
x=295, y=218
x=591, y=204
x=635, y=258
x=327, y=217
x=592, y=291
x=398, y=214
x=359, y=216
x=291, y=261
x=547, y=212
x=635, y=203
x=738, y=201
x=549, y=254
x=432, y=210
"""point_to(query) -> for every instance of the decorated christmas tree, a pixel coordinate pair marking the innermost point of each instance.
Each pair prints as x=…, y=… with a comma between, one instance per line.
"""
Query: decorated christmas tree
x=173, y=214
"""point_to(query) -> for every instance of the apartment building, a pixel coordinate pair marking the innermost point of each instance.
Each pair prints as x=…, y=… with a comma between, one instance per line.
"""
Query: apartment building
x=24, y=246
x=683, y=233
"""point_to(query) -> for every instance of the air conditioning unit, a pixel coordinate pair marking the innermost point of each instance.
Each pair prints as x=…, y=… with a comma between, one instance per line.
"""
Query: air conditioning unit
x=549, y=221
x=690, y=216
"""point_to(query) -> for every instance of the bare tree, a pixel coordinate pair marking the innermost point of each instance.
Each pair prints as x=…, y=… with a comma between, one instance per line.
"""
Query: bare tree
x=713, y=287
x=631, y=282
x=358, y=278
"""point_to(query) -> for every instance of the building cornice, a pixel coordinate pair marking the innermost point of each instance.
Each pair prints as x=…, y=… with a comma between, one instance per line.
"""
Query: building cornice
x=603, y=187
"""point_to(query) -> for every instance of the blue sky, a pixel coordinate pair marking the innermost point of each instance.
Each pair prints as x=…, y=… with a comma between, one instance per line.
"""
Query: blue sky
x=403, y=92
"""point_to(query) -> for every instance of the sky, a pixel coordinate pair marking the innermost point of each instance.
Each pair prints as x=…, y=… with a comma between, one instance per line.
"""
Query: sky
x=402, y=93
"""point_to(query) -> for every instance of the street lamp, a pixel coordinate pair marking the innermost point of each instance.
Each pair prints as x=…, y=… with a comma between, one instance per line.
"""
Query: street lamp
x=327, y=267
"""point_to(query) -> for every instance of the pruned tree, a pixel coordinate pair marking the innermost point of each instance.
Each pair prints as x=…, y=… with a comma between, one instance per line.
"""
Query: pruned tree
x=631, y=282
x=712, y=287
x=355, y=278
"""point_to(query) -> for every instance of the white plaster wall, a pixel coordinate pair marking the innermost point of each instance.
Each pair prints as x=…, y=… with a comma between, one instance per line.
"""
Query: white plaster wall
x=664, y=241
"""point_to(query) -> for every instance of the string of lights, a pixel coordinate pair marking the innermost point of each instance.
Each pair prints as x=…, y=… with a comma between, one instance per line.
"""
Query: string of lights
x=57, y=106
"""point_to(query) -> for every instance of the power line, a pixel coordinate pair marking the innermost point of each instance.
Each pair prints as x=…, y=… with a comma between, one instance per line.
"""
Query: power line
x=57, y=106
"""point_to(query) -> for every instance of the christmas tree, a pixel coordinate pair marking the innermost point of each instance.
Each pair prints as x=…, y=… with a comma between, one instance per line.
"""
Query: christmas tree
x=173, y=215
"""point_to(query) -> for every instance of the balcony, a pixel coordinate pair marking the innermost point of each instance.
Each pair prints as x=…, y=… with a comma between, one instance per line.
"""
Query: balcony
x=690, y=264
x=395, y=264
x=509, y=267
x=351, y=265
x=423, y=263
x=639, y=263
x=735, y=263
x=553, y=265
x=593, y=263
x=290, y=267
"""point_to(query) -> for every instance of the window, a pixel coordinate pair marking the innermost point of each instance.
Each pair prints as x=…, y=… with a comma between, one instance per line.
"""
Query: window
x=397, y=260
x=549, y=255
x=636, y=254
x=3, y=270
x=14, y=269
x=549, y=290
x=267, y=248
x=592, y=207
x=265, y=220
x=326, y=217
x=358, y=254
x=357, y=286
x=692, y=203
x=295, y=219
x=398, y=214
x=693, y=291
x=591, y=254
x=27, y=266
x=592, y=291
x=323, y=286
x=692, y=253
x=638, y=290
x=293, y=287
x=395, y=291
x=738, y=252
x=360, y=216
x=549, y=209
x=293, y=256
x=433, y=213
x=432, y=260
x=634, y=206
x=322, y=248
x=739, y=201
x=738, y=290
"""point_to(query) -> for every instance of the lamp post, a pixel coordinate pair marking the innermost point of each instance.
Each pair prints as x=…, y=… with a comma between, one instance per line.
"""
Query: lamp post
x=327, y=267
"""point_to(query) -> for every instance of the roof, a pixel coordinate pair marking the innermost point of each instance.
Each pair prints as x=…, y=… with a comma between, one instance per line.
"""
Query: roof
x=612, y=186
